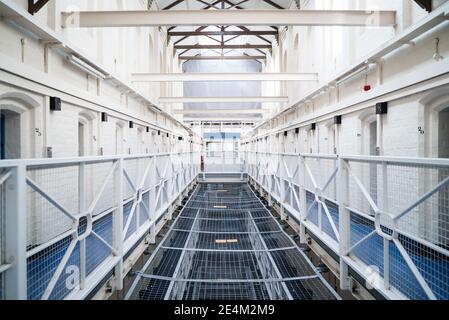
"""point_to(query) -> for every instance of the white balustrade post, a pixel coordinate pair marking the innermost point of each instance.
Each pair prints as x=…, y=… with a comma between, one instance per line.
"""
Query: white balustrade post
x=152, y=200
x=386, y=242
x=344, y=221
x=82, y=211
x=15, y=234
x=269, y=180
x=302, y=199
x=283, y=189
x=117, y=223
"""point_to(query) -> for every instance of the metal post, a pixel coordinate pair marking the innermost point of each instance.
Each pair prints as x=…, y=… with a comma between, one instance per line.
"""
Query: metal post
x=387, y=263
x=152, y=201
x=82, y=211
x=386, y=241
x=344, y=221
x=283, y=191
x=15, y=234
x=117, y=226
x=302, y=199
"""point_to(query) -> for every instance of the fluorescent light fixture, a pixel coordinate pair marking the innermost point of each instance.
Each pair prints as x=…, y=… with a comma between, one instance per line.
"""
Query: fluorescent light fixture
x=220, y=207
x=86, y=67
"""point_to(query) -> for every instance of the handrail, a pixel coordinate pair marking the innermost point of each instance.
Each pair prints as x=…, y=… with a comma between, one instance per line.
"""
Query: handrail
x=380, y=216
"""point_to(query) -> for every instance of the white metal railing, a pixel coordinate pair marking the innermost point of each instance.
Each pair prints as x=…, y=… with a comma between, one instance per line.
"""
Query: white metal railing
x=223, y=162
x=66, y=224
x=386, y=217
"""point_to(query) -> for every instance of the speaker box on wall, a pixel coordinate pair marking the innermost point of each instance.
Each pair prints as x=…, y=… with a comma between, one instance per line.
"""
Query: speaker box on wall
x=55, y=104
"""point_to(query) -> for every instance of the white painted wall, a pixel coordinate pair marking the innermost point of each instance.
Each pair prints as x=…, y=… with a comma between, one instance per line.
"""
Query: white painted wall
x=122, y=51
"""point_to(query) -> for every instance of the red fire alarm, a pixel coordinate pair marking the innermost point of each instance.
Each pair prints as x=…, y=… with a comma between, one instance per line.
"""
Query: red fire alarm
x=367, y=87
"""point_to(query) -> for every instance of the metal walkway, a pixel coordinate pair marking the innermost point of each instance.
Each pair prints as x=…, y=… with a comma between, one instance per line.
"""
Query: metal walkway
x=225, y=244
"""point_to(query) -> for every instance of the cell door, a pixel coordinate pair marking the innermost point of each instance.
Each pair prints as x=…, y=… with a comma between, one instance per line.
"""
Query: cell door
x=10, y=131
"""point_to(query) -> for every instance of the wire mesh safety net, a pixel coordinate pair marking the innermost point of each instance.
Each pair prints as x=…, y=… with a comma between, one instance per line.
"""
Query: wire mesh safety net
x=225, y=244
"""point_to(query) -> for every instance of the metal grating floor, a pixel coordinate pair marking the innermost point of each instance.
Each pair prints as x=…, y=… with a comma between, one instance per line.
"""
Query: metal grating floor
x=225, y=244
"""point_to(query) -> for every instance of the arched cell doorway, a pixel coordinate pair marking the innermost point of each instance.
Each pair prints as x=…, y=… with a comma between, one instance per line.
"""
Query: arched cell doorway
x=17, y=125
x=435, y=107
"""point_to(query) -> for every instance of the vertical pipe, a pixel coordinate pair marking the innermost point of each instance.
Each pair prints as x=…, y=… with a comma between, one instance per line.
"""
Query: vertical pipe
x=379, y=150
x=336, y=139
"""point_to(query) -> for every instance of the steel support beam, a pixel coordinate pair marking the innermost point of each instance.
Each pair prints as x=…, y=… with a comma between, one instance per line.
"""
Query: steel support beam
x=425, y=4
x=199, y=57
x=210, y=118
x=35, y=6
x=247, y=76
x=222, y=46
x=173, y=4
x=221, y=99
x=223, y=33
x=220, y=111
x=273, y=4
x=96, y=19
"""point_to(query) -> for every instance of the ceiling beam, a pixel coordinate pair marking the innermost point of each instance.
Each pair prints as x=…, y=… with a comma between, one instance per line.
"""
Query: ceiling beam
x=220, y=111
x=222, y=118
x=273, y=4
x=259, y=36
x=240, y=8
x=35, y=6
x=223, y=33
x=199, y=57
x=222, y=46
x=173, y=4
x=237, y=5
x=204, y=8
x=222, y=99
x=209, y=5
x=90, y=19
x=425, y=4
x=246, y=76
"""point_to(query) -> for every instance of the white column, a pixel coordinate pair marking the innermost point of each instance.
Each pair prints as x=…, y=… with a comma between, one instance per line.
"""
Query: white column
x=15, y=234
